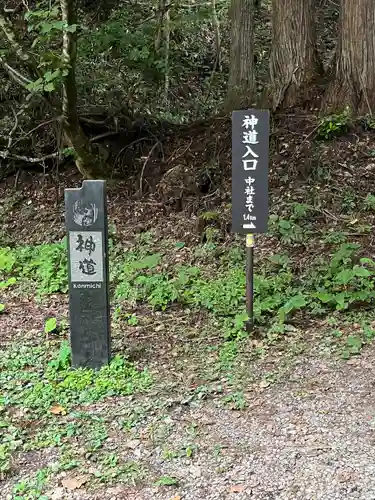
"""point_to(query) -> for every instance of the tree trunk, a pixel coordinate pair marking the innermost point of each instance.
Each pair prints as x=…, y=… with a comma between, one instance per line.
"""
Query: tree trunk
x=353, y=80
x=241, y=84
x=91, y=166
x=294, y=61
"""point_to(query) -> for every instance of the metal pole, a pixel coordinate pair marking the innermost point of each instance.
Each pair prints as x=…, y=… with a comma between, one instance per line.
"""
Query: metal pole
x=250, y=282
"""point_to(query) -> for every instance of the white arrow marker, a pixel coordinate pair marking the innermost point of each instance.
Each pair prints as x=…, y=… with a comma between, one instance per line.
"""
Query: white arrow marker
x=249, y=226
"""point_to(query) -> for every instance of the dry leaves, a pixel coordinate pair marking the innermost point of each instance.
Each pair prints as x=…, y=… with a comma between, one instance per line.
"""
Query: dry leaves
x=237, y=489
x=58, y=410
x=74, y=482
x=264, y=383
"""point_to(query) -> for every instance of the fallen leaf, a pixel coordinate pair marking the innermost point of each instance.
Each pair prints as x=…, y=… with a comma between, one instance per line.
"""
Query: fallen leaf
x=74, y=482
x=176, y=498
x=58, y=410
x=237, y=489
x=132, y=444
x=264, y=383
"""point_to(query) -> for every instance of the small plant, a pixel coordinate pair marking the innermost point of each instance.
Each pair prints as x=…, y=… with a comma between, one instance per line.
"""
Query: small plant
x=335, y=237
x=349, y=200
x=7, y=283
x=64, y=358
x=301, y=210
x=293, y=304
x=287, y=230
x=209, y=216
x=236, y=401
x=353, y=346
x=166, y=481
x=2, y=308
x=334, y=125
x=33, y=487
x=7, y=260
x=44, y=265
x=368, y=122
x=369, y=202
x=50, y=326
x=132, y=320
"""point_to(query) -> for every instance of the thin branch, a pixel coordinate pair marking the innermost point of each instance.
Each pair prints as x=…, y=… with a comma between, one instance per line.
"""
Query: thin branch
x=12, y=10
x=216, y=26
x=34, y=129
x=16, y=73
x=13, y=131
x=144, y=166
x=8, y=30
x=5, y=155
x=160, y=13
x=104, y=135
x=128, y=146
x=167, y=31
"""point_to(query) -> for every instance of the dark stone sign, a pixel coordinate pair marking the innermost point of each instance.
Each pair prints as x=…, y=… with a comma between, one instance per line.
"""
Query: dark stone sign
x=250, y=143
x=87, y=227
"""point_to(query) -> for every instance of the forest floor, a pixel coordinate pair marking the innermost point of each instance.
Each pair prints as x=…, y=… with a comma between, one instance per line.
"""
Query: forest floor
x=192, y=408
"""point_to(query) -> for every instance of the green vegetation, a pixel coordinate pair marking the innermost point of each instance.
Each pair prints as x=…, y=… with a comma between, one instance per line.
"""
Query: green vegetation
x=38, y=383
x=341, y=282
x=158, y=282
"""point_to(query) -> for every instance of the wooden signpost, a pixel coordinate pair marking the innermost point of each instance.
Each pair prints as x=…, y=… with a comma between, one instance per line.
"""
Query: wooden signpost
x=250, y=144
x=87, y=227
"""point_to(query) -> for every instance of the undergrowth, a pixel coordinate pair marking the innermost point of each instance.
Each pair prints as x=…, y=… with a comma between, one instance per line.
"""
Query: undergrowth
x=39, y=386
x=339, y=282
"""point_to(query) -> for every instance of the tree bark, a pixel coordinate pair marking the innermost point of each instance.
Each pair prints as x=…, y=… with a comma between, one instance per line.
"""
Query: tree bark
x=241, y=83
x=353, y=80
x=294, y=61
x=91, y=166
x=216, y=26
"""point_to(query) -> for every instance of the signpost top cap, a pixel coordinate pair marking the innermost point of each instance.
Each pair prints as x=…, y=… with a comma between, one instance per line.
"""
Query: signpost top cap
x=87, y=183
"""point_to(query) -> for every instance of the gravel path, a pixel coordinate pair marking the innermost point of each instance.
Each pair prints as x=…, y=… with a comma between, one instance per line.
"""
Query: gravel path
x=309, y=437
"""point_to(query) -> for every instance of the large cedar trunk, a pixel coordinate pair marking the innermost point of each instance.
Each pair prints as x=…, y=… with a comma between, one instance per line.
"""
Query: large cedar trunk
x=294, y=61
x=241, y=84
x=353, y=80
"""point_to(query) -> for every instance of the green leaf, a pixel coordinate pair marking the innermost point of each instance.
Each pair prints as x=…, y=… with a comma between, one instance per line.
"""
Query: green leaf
x=345, y=276
x=50, y=87
x=72, y=28
x=148, y=262
x=284, y=224
x=355, y=343
x=166, y=481
x=46, y=28
x=49, y=76
x=361, y=271
x=340, y=299
x=354, y=340
x=2, y=308
x=35, y=86
x=325, y=297
x=50, y=325
x=365, y=260
x=294, y=303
